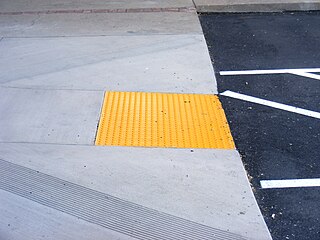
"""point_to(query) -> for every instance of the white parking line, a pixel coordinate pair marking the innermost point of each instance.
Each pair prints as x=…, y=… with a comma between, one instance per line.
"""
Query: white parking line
x=307, y=74
x=271, y=104
x=290, y=183
x=304, y=72
x=271, y=71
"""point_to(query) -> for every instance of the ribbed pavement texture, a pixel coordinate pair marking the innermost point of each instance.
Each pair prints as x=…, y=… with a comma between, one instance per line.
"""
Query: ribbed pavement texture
x=102, y=209
x=163, y=120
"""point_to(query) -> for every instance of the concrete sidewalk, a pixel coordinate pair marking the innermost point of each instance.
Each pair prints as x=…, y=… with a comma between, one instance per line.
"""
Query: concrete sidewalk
x=57, y=60
x=256, y=5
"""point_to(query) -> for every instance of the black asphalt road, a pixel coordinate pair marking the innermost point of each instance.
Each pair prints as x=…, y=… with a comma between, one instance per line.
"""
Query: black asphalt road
x=274, y=144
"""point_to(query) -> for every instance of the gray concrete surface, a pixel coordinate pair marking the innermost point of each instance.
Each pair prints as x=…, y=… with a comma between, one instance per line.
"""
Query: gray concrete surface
x=206, y=186
x=256, y=5
x=157, y=63
x=42, y=116
x=38, y=5
x=99, y=24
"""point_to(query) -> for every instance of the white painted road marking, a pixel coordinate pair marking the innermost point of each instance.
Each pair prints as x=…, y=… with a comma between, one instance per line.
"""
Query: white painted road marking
x=271, y=104
x=304, y=72
x=307, y=74
x=291, y=183
x=271, y=71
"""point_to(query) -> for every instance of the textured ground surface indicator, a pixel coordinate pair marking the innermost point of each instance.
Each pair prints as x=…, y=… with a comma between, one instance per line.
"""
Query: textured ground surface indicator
x=163, y=120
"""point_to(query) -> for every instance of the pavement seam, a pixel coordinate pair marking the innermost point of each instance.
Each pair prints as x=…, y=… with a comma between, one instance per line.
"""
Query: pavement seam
x=47, y=143
x=105, y=35
x=94, y=11
x=54, y=89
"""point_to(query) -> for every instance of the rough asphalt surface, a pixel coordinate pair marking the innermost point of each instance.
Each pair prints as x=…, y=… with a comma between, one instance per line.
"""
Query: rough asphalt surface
x=274, y=144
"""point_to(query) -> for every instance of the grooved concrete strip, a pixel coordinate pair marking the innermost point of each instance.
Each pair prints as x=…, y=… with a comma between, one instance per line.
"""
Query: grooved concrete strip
x=22, y=218
x=167, y=180
x=256, y=5
x=166, y=63
x=101, y=208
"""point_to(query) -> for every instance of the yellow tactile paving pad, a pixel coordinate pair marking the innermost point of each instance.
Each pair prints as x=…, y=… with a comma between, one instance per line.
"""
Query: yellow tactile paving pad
x=163, y=120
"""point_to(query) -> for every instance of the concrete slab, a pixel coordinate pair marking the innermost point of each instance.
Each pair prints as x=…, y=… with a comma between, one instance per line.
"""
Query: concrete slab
x=165, y=63
x=71, y=24
x=205, y=186
x=21, y=217
x=61, y=117
x=256, y=5
x=39, y=5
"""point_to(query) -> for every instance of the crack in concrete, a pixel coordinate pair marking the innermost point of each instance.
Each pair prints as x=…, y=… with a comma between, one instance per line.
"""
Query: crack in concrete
x=33, y=22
